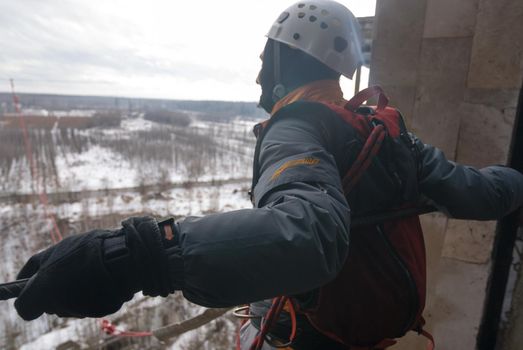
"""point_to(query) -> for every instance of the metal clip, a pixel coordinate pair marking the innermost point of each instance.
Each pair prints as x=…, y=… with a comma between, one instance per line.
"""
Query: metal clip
x=243, y=312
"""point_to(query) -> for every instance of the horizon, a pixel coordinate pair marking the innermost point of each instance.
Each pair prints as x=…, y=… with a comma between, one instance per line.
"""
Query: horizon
x=18, y=93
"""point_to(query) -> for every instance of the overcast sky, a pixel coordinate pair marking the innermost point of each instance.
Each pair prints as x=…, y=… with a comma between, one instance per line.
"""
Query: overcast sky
x=175, y=49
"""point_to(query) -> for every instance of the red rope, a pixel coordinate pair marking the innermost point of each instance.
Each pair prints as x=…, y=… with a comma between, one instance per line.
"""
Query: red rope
x=369, y=150
x=110, y=329
x=431, y=344
x=56, y=235
x=292, y=312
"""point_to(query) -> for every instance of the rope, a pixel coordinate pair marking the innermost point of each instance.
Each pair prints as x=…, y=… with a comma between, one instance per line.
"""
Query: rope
x=110, y=329
x=369, y=151
x=56, y=235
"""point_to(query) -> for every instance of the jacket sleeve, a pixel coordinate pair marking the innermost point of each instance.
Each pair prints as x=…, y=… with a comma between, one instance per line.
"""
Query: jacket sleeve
x=465, y=192
x=294, y=240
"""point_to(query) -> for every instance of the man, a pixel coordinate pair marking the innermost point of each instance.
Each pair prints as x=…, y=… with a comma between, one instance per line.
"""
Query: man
x=296, y=238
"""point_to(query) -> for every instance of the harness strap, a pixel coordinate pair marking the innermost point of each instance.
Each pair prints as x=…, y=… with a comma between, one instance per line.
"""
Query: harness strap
x=367, y=94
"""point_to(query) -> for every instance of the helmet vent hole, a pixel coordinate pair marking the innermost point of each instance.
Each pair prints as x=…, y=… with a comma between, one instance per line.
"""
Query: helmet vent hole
x=296, y=36
x=283, y=17
x=340, y=44
x=312, y=18
x=301, y=14
x=313, y=7
x=324, y=12
x=301, y=6
x=324, y=25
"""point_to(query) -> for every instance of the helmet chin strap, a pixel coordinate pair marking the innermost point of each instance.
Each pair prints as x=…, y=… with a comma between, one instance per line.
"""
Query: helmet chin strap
x=279, y=89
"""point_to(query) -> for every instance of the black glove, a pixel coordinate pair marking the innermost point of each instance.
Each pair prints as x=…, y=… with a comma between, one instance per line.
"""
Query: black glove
x=93, y=274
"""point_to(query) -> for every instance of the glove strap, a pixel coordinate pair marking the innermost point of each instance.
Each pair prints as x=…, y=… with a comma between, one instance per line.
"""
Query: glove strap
x=150, y=259
x=171, y=240
x=169, y=233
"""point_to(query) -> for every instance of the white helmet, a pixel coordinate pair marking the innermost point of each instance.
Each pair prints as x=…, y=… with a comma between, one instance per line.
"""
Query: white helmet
x=324, y=29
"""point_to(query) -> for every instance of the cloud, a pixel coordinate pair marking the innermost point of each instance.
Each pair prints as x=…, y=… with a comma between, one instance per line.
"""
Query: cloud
x=208, y=49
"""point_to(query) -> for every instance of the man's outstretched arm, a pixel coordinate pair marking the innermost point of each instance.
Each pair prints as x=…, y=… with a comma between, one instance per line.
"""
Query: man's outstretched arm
x=465, y=192
x=295, y=239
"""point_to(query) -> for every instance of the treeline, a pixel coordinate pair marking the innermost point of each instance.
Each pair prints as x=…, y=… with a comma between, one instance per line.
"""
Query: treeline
x=168, y=117
x=159, y=154
x=105, y=119
x=210, y=109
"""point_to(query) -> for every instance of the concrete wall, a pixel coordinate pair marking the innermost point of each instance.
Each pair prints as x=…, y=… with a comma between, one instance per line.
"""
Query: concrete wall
x=454, y=68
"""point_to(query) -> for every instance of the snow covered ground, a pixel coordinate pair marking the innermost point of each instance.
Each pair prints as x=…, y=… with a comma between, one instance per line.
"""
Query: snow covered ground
x=95, y=178
x=139, y=152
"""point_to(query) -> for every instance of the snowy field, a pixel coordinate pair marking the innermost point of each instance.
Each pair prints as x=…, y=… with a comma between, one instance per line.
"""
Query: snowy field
x=95, y=178
x=137, y=153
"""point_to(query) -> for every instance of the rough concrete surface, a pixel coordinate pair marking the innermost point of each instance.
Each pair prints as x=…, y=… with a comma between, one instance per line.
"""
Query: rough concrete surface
x=484, y=134
x=498, y=98
x=450, y=18
x=440, y=89
x=458, y=303
x=434, y=228
x=497, y=53
x=395, y=52
x=469, y=241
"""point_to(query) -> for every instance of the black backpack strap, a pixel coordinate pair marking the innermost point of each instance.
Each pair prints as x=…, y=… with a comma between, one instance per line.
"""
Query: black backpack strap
x=259, y=133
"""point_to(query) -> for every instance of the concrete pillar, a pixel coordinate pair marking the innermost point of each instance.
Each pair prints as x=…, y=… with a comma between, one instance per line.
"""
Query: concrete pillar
x=454, y=69
x=398, y=33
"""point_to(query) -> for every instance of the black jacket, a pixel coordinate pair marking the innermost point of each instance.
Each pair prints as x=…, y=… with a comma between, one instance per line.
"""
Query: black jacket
x=297, y=236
